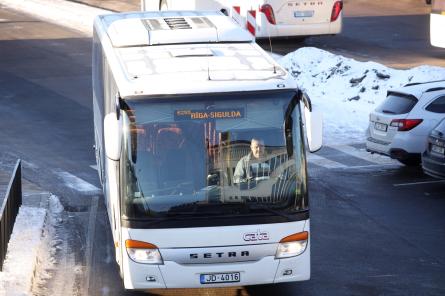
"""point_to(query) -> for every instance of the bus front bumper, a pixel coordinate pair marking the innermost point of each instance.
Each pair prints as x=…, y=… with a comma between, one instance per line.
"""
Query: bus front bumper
x=172, y=275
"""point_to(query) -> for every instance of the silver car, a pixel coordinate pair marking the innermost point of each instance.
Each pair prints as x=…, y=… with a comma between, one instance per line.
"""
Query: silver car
x=433, y=159
x=400, y=125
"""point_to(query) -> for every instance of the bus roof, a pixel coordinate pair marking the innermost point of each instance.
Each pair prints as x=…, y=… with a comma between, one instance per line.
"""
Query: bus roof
x=152, y=53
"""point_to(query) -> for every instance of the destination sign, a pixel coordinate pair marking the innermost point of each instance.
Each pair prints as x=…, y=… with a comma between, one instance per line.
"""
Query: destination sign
x=233, y=113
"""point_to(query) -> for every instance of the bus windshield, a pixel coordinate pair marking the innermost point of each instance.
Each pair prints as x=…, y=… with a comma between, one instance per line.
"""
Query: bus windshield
x=213, y=155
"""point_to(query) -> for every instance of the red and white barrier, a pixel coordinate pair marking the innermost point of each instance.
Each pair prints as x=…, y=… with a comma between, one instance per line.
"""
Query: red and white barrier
x=251, y=21
x=236, y=15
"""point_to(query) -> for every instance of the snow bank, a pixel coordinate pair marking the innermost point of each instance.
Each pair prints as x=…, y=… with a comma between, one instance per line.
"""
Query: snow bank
x=23, y=249
x=346, y=90
x=31, y=249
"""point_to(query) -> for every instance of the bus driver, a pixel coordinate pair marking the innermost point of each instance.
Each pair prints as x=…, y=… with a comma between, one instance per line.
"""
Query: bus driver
x=253, y=165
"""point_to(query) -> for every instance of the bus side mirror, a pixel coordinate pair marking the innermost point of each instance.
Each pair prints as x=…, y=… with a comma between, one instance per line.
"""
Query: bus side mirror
x=314, y=125
x=112, y=136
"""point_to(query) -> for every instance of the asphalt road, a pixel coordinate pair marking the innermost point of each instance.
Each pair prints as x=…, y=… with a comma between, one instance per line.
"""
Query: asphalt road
x=377, y=228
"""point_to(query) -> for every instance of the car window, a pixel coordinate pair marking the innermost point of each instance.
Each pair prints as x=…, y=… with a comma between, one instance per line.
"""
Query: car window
x=440, y=127
x=437, y=106
x=396, y=103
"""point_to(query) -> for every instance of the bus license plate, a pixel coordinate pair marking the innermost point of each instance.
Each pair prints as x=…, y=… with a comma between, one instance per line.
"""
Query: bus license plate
x=303, y=13
x=214, y=278
x=437, y=149
x=381, y=126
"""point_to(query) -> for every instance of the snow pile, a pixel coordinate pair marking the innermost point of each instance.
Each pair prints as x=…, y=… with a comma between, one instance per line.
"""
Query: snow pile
x=23, y=249
x=346, y=90
x=31, y=250
x=48, y=251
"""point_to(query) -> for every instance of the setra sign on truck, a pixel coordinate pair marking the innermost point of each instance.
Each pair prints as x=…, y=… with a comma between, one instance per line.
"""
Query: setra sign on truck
x=200, y=146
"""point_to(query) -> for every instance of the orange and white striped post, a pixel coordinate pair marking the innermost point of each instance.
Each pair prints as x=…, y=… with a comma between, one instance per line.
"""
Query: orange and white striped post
x=251, y=21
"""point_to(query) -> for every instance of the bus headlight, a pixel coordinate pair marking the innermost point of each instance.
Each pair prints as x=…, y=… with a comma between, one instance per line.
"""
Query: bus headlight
x=292, y=245
x=142, y=252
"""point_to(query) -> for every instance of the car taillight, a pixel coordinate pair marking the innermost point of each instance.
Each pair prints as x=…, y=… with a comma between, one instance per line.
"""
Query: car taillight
x=338, y=6
x=268, y=12
x=405, y=124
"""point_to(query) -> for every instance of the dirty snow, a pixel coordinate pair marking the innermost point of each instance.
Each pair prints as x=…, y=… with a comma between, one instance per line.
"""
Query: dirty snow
x=346, y=90
x=30, y=250
x=23, y=248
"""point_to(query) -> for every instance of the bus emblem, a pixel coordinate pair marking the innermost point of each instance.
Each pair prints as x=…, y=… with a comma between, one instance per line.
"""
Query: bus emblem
x=256, y=236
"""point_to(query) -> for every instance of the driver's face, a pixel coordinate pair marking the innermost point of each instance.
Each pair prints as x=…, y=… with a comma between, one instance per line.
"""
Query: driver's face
x=257, y=148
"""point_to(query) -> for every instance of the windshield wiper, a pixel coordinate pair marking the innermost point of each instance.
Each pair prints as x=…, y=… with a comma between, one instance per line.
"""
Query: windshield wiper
x=190, y=213
x=273, y=211
x=388, y=112
x=225, y=210
x=203, y=209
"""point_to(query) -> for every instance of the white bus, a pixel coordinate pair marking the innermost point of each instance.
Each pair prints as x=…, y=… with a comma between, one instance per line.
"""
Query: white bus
x=437, y=23
x=200, y=149
x=268, y=18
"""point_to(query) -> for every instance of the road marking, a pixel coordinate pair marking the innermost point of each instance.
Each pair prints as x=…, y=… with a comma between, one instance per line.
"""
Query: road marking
x=374, y=166
x=77, y=183
x=383, y=275
x=363, y=154
x=373, y=160
x=324, y=162
x=90, y=243
x=418, y=183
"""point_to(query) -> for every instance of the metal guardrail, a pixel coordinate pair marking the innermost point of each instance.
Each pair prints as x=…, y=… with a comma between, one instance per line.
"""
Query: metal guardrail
x=10, y=209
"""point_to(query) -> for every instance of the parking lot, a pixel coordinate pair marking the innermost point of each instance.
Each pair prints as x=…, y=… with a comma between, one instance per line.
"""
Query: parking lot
x=377, y=225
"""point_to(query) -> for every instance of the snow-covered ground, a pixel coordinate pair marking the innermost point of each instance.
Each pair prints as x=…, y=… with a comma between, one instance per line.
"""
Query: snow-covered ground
x=30, y=250
x=347, y=90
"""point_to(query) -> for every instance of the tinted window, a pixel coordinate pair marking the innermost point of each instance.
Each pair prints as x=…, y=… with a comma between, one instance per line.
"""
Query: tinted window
x=437, y=106
x=204, y=155
x=440, y=127
x=397, y=104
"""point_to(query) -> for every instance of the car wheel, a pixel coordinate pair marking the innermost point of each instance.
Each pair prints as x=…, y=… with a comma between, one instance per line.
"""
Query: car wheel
x=412, y=161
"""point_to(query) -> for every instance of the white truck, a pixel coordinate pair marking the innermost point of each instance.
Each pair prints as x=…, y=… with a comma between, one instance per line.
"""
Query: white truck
x=183, y=102
x=437, y=23
x=268, y=18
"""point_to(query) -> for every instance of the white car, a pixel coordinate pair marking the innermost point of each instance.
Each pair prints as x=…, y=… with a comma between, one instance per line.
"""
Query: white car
x=400, y=125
